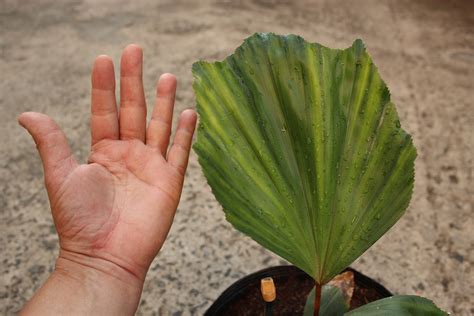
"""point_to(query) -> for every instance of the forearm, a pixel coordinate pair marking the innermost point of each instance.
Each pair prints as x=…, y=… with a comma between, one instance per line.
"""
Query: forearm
x=86, y=286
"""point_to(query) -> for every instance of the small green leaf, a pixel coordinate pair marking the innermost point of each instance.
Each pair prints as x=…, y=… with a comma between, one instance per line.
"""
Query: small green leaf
x=399, y=305
x=332, y=302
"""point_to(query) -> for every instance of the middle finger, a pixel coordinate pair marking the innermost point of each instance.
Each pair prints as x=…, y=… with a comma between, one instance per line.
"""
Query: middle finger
x=132, y=98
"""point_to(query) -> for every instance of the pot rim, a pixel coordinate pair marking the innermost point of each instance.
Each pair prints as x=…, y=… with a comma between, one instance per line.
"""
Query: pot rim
x=239, y=286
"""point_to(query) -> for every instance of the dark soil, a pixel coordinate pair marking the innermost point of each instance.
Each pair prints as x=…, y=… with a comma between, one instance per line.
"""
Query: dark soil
x=243, y=298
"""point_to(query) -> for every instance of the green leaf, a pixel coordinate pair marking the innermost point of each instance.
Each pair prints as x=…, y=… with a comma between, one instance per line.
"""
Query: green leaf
x=303, y=148
x=332, y=302
x=399, y=305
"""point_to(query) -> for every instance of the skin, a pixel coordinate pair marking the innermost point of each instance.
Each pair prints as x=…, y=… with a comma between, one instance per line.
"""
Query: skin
x=112, y=214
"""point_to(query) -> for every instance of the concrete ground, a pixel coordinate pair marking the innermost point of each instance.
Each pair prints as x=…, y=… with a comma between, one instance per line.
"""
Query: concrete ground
x=424, y=51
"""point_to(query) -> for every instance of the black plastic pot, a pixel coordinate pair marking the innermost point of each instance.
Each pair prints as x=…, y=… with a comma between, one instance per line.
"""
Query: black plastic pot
x=243, y=298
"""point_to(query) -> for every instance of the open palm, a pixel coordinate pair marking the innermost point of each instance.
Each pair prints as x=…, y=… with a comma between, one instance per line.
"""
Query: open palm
x=120, y=205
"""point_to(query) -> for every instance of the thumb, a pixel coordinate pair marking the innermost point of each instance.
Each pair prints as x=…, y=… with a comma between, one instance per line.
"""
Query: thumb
x=52, y=145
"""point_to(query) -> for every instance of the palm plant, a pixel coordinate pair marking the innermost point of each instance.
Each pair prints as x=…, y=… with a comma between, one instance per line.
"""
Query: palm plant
x=303, y=148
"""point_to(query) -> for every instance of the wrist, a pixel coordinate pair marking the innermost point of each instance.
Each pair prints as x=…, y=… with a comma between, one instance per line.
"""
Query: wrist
x=106, y=285
x=73, y=264
x=83, y=285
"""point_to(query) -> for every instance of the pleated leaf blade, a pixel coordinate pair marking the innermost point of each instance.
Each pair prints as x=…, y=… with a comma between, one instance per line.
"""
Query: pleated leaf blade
x=303, y=148
x=332, y=302
x=399, y=305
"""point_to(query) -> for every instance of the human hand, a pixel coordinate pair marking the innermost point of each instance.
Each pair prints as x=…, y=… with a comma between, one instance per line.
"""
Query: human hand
x=116, y=210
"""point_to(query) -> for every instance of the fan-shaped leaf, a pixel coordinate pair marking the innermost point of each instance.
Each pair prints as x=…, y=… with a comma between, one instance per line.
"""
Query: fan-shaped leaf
x=303, y=148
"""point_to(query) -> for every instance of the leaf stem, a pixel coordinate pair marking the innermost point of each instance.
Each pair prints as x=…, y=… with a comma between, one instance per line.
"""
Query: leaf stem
x=317, y=299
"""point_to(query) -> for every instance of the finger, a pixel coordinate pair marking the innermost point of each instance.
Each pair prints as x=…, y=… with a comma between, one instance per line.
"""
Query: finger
x=179, y=151
x=104, y=117
x=132, y=97
x=159, y=130
x=58, y=161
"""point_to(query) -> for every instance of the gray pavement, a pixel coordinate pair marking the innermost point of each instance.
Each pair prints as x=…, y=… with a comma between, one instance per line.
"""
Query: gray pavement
x=424, y=51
